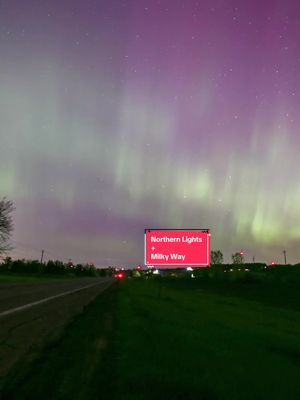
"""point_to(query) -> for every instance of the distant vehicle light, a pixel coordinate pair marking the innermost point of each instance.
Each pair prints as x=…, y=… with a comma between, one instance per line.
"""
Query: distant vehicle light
x=120, y=275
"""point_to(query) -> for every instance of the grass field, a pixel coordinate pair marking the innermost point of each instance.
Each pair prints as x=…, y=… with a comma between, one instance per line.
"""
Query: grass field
x=170, y=339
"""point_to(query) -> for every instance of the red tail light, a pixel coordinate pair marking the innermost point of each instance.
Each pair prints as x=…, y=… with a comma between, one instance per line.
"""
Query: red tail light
x=120, y=275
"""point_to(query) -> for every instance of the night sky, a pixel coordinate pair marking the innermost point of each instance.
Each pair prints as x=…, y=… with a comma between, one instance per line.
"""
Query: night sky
x=118, y=116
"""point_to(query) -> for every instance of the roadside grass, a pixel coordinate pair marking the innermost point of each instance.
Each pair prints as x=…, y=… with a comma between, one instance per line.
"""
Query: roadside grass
x=249, y=286
x=173, y=339
x=187, y=342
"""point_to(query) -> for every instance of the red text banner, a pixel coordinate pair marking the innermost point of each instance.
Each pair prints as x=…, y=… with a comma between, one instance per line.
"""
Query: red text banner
x=177, y=248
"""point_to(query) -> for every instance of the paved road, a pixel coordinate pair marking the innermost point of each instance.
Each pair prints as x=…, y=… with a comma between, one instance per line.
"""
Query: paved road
x=49, y=307
x=17, y=295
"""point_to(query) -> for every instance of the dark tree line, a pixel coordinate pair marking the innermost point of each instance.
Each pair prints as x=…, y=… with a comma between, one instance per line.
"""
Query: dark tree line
x=53, y=267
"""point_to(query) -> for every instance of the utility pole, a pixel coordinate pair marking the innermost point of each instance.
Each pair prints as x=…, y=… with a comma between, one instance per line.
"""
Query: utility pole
x=284, y=253
x=42, y=256
x=253, y=259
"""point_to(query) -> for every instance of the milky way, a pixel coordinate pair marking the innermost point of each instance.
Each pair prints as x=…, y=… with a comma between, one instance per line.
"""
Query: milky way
x=118, y=116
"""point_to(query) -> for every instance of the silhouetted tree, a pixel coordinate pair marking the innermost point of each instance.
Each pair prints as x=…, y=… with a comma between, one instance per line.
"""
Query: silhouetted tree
x=55, y=267
x=79, y=268
x=6, y=224
x=237, y=258
x=216, y=257
x=101, y=272
x=6, y=264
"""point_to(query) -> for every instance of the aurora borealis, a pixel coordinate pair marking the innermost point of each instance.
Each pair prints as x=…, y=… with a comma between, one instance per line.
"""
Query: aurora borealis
x=118, y=116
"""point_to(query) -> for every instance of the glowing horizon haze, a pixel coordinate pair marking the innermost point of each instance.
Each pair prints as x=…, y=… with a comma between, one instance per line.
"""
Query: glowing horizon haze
x=118, y=116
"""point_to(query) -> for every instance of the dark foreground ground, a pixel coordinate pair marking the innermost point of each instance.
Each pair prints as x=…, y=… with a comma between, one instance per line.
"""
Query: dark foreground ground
x=145, y=339
x=24, y=333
